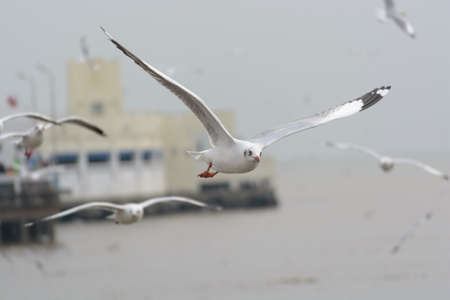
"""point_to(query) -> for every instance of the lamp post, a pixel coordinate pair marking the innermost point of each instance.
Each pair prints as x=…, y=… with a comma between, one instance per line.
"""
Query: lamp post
x=32, y=84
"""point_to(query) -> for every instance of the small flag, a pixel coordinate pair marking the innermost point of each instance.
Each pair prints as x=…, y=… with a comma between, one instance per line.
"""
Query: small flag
x=12, y=101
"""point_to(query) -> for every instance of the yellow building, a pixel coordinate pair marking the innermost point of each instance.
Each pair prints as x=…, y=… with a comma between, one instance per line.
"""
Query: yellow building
x=143, y=153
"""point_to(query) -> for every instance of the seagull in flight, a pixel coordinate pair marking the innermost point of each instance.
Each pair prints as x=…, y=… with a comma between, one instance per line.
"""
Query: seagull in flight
x=30, y=115
x=125, y=213
x=40, y=173
x=33, y=138
x=229, y=154
x=391, y=12
x=410, y=233
x=387, y=163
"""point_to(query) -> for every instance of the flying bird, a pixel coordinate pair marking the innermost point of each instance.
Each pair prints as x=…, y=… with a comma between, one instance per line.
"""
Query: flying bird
x=390, y=12
x=387, y=163
x=40, y=173
x=33, y=138
x=30, y=115
x=125, y=213
x=229, y=154
x=410, y=233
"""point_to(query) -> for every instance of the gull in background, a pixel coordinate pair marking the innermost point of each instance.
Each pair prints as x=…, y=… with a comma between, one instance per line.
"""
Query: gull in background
x=410, y=233
x=387, y=163
x=33, y=138
x=85, y=54
x=229, y=154
x=391, y=12
x=40, y=173
x=125, y=213
x=30, y=115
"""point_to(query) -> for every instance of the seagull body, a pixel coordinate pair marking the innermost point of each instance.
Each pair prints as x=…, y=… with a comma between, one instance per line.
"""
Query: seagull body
x=390, y=12
x=40, y=173
x=34, y=116
x=410, y=233
x=229, y=154
x=387, y=163
x=34, y=137
x=125, y=213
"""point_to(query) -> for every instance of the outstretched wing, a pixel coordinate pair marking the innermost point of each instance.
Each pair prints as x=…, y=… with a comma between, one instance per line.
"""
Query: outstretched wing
x=410, y=233
x=348, y=146
x=217, y=132
x=80, y=122
x=345, y=110
x=177, y=199
x=11, y=135
x=389, y=4
x=404, y=24
x=35, y=116
x=421, y=165
x=99, y=205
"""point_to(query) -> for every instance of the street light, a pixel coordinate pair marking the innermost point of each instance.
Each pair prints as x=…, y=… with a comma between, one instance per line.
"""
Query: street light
x=32, y=84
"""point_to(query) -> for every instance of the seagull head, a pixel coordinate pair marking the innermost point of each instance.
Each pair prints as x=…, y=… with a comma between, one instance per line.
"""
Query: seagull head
x=386, y=164
x=253, y=154
x=40, y=127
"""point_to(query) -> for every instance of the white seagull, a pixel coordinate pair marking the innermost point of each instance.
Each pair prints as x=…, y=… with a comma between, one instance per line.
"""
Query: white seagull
x=387, y=163
x=40, y=173
x=229, y=154
x=30, y=115
x=33, y=138
x=410, y=233
x=391, y=12
x=125, y=213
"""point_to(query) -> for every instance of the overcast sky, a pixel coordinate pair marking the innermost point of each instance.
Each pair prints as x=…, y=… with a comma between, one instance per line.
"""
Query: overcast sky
x=295, y=58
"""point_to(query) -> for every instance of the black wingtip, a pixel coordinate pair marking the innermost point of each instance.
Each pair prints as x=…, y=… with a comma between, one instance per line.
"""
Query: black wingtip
x=374, y=96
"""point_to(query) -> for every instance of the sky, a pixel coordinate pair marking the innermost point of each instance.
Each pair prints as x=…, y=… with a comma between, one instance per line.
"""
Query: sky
x=269, y=61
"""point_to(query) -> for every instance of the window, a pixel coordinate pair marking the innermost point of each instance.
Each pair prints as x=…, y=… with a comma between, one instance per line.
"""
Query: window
x=99, y=157
x=66, y=158
x=97, y=108
x=126, y=156
x=147, y=155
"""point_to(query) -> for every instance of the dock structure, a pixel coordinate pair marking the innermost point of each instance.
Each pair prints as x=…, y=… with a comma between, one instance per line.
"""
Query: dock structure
x=22, y=201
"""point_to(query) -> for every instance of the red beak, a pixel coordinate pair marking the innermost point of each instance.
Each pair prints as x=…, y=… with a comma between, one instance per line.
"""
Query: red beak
x=256, y=158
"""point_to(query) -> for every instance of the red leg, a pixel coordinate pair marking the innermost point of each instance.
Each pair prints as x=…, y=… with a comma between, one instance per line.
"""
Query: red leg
x=28, y=154
x=208, y=174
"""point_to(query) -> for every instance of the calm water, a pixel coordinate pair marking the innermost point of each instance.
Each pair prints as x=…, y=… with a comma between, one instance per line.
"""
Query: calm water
x=330, y=239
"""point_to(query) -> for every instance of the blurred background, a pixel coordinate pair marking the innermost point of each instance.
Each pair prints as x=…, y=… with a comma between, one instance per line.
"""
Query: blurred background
x=309, y=222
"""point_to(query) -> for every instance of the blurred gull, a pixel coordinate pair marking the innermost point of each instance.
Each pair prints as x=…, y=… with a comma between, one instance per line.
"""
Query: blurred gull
x=391, y=12
x=125, y=213
x=229, y=154
x=33, y=138
x=29, y=115
x=85, y=54
x=40, y=173
x=410, y=233
x=387, y=163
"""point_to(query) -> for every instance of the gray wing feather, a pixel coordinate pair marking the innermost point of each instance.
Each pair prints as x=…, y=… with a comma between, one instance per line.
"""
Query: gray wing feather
x=347, y=109
x=99, y=205
x=80, y=122
x=12, y=135
x=389, y=4
x=176, y=199
x=35, y=116
x=216, y=131
x=421, y=165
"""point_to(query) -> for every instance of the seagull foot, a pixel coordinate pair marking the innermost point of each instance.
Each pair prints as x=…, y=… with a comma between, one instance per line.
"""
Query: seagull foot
x=207, y=174
x=28, y=154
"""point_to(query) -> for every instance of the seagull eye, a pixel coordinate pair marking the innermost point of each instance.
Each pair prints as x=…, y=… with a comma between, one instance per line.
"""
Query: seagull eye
x=250, y=152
